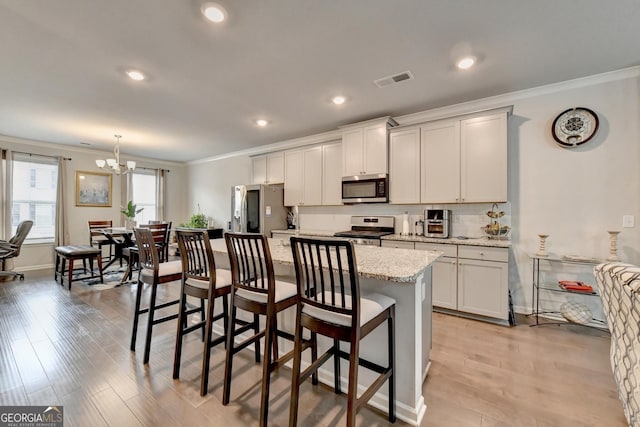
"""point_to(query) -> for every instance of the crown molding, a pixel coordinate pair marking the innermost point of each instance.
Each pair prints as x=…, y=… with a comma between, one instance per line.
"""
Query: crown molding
x=498, y=101
x=277, y=146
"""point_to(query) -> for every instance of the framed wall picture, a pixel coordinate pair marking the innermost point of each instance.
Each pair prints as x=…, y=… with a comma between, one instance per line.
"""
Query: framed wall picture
x=93, y=189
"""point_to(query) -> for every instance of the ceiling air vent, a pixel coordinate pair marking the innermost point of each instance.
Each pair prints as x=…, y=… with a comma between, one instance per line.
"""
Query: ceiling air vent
x=387, y=81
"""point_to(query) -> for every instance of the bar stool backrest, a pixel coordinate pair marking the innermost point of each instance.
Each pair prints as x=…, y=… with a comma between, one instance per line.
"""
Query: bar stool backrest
x=196, y=254
x=251, y=263
x=147, y=250
x=327, y=276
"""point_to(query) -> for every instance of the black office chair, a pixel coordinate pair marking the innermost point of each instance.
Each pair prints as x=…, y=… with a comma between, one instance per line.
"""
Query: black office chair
x=11, y=248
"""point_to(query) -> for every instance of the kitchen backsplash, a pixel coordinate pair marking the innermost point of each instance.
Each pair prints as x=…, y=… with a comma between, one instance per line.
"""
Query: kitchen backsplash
x=468, y=220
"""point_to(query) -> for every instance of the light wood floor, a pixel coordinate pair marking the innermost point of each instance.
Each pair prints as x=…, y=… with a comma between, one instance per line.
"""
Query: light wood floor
x=72, y=349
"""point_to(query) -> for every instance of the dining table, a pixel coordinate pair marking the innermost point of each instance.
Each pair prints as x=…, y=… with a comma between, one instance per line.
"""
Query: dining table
x=121, y=238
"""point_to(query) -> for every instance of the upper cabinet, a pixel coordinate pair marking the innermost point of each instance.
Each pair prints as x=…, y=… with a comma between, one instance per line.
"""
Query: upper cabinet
x=460, y=161
x=303, y=177
x=268, y=168
x=440, y=154
x=404, y=153
x=332, y=174
x=483, y=159
x=364, y=147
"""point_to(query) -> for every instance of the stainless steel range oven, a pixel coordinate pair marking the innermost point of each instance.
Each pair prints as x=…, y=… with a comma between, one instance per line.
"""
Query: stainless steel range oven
x=367, y=230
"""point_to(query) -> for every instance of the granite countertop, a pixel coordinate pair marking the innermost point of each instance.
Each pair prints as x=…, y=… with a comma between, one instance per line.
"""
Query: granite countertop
x=373, y=262
x=482, y=241
x=316, y=233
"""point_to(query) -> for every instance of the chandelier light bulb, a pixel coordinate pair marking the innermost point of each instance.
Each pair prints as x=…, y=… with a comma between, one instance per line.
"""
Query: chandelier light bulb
x=261, y=122
x=114, y=163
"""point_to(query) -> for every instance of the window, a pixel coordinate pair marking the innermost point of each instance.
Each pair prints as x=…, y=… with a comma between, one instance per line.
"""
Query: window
x=144, y=195
x=34, y=188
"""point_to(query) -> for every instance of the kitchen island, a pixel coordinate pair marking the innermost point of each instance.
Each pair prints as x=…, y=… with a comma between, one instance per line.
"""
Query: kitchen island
x=402, y=274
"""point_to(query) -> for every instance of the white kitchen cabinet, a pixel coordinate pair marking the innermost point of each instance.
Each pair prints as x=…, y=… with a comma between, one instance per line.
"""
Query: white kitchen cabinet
x=404, y=166
x=332, y=174
x=397, y=244
x=268, y=168
x=440, y=158
x=483, y=159
x=483, y=281
x=364, y=147
x=444, y=276
x=471, y=279
x=464, y=161
x=303, y=177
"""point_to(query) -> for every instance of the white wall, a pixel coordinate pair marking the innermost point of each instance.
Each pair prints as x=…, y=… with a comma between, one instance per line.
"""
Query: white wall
x=35, y=256
x=574, y=195
x=209, y=186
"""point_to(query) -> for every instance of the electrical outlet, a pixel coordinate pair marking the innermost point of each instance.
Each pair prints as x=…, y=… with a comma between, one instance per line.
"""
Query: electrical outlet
x=628, y=221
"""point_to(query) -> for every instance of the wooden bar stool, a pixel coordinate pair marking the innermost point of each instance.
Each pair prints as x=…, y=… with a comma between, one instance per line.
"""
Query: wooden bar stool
x=330, y=306
x=201, y=279
x=153, y=273
x=255, y=289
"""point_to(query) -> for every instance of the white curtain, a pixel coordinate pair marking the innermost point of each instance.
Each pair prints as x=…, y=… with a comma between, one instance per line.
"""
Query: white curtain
x=126, y=186
x=62, y=222
x=161, y=176
x=5, y=182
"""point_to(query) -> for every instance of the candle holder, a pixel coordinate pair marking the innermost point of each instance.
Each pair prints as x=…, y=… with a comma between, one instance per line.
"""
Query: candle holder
x=613, y=246
x=541, y=249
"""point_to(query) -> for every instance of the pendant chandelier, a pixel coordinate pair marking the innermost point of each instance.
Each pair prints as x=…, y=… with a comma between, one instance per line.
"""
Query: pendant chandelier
x=113, y=165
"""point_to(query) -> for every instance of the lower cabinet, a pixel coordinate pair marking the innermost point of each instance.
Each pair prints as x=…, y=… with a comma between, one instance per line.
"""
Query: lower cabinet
x=471, y=279
x=396, y=244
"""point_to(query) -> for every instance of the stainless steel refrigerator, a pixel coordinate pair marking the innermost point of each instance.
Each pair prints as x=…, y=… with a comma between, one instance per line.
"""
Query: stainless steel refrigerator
x=258, y=208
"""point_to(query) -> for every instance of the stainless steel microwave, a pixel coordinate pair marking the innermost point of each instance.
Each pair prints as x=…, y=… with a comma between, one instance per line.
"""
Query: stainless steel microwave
x=365, y=189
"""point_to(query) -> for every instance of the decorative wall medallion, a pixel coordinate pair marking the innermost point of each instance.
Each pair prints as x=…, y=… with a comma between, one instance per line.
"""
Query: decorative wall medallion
x=575, y=126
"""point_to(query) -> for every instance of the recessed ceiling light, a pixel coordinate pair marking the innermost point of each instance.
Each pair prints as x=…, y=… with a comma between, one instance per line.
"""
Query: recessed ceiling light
x=213, y=12
x=339, y=100
x=466, y=62
x=262, y=122
x=135, y=75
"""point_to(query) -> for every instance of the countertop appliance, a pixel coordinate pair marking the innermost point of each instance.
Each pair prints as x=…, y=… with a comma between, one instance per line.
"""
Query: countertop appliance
x=437, y=223
x=365, y=189
x=367, y=230
x=258, y=208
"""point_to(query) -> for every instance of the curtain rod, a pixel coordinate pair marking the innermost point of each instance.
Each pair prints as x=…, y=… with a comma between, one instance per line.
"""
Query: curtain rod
x=152, y=169
x=32, y=154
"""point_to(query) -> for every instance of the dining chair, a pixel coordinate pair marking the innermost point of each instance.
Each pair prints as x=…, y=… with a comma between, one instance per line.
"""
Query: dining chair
x=159, y=232
x=164, y=245
x=255, y=290
x=97, y=239
x=152, y=272
x=330, y=304
x=200, y=279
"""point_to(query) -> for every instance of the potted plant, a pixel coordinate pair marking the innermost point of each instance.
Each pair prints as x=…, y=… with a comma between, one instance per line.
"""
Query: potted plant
x=198, y=220
x=130, y=213
x=201, y=221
